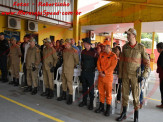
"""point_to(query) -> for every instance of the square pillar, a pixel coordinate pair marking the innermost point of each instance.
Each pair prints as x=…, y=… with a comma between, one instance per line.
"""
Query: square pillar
x=138, y=28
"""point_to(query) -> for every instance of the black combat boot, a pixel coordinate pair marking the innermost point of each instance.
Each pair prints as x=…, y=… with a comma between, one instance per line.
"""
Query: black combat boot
x=90, y=107
x=83, y=103
x=63, y=97
x=51, y=94
x=16, y=82
x=34, y=91
x=28, y=89
x=12, y=82
x=46, y=93
x=123, y=114
x=100, y=109
x=69, y=100
x=136, y=113
x=107, y=112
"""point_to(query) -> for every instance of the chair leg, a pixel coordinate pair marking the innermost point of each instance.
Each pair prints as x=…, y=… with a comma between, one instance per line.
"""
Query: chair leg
x=74, y=93
x=58, y=90
x=43, y=86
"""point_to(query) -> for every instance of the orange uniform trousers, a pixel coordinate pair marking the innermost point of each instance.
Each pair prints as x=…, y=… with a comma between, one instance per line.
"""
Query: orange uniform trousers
x=105, y=89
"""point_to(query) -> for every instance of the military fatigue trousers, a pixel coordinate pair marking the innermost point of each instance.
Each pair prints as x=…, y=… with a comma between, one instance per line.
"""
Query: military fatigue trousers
x=48, y=79
x=67, y=81
x=15, y=70
x=126, y=83
x=32, y=77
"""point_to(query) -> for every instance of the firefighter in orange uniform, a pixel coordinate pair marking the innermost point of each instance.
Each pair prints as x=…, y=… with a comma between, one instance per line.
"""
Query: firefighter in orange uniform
x=106, y=64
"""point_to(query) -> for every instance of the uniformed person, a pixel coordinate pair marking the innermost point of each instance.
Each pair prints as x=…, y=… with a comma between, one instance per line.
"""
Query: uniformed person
x=4, y=51
x=32, y=63
x=49, y=63
x=106, y=64
x=70, y=60
x=24, y=47
x=88, y=65
x=14, y=56
x=129, y=71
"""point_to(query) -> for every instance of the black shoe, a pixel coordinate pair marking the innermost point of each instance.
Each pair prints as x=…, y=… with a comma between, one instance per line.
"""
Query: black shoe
x=90, y=107
x=46, y=93
x=51, y=94
x=63, y=97
x=123, y=115
x=28, y=89
x=16, y=82
x=69, y=100
x=83, y=103
x=4, y=81
x=34, y=91
x=100, y=109
x=12, y=82
x=136, y=113
x=107, y=112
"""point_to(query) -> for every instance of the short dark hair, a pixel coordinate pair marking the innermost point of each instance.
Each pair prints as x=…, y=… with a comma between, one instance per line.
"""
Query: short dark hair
x=119, y=48
x=160, y=45
x=27, y=36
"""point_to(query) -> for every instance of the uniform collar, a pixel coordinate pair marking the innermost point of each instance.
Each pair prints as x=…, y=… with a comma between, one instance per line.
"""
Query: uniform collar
x=134, y=47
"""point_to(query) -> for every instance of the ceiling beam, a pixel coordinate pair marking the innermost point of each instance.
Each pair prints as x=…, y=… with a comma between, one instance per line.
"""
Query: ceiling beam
x=147, y=3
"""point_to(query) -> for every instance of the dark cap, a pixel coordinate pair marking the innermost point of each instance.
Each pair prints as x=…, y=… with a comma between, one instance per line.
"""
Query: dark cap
x=87, y=40
x=27, y=35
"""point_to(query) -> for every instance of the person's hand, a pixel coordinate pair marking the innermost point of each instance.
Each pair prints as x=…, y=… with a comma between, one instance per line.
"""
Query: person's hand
x=102, y=74
x=52, y=69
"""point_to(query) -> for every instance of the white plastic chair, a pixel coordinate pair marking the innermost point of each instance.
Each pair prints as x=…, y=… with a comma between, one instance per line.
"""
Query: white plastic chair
x=58, y=82
x=76, y=82
x=95, y=88
x=114, y=92
x=40, y=78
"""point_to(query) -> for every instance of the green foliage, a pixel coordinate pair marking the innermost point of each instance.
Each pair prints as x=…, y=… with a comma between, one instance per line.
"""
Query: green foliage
x=149, y=35
x=147, y=44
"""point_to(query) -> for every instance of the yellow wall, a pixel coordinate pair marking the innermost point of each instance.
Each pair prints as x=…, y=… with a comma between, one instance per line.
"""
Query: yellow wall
x=50, y=30
x=100, y=39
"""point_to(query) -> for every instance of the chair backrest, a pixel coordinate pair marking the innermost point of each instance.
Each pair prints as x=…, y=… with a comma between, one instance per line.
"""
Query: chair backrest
x=60, y=70
x=77, y=72
x=115, y=81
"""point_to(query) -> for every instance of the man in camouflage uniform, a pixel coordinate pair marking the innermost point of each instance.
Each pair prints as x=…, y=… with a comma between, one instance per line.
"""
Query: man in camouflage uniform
x=70, y=60
x=129, y=71
x=49, y=63
x=32, y=63
x=14, y=56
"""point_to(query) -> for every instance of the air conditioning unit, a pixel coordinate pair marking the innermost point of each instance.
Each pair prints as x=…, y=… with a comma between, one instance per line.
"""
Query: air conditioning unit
x=104, y=34
x=14, y=23
x=33, y=26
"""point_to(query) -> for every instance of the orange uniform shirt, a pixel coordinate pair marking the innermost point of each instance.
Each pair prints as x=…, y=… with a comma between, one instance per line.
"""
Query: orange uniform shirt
x=106, y=63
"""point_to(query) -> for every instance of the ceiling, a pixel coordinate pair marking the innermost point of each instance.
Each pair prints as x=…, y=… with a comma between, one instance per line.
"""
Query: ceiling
x=121, y=28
